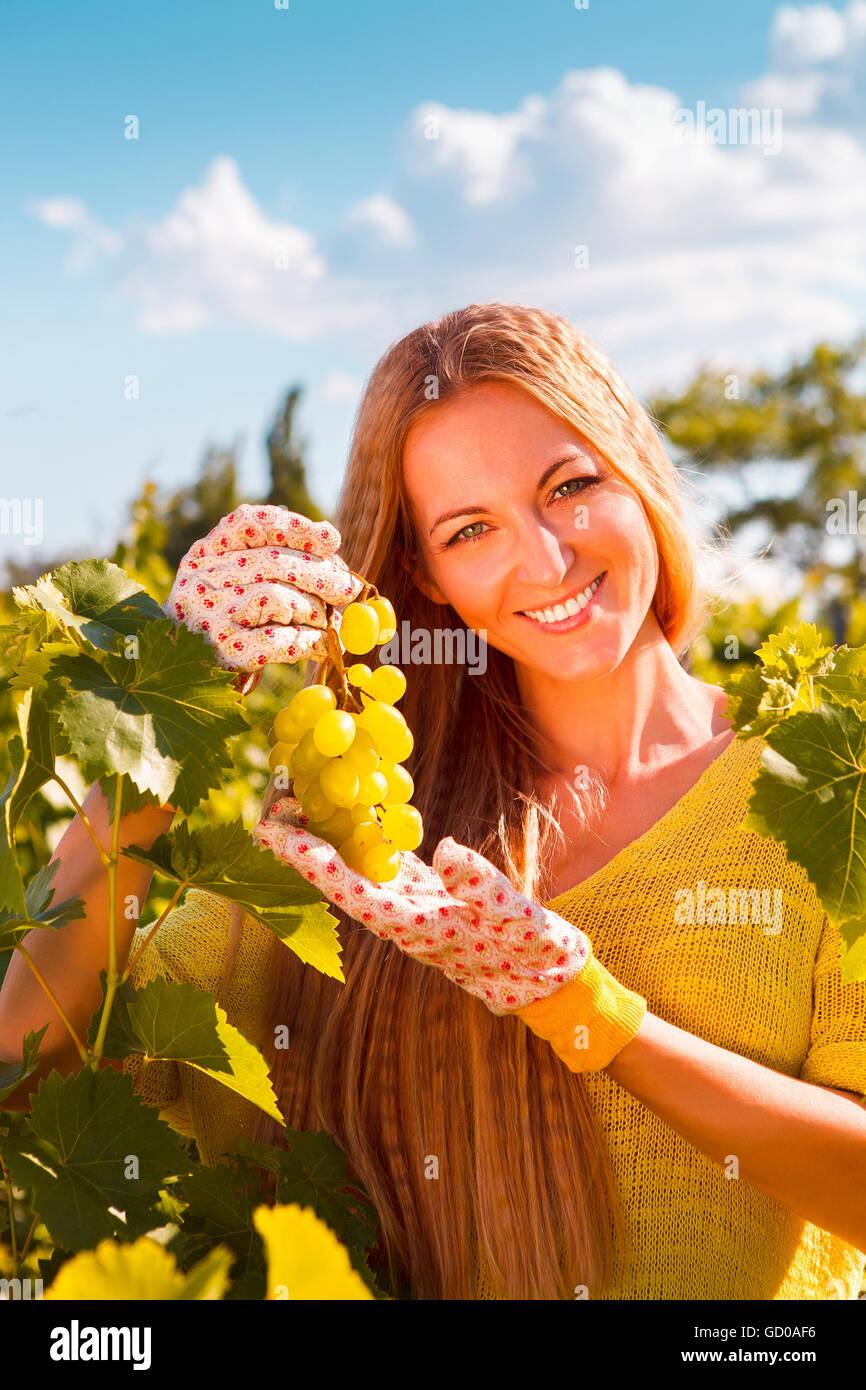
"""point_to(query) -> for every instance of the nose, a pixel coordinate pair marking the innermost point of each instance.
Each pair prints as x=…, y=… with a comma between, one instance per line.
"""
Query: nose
x=543, y=559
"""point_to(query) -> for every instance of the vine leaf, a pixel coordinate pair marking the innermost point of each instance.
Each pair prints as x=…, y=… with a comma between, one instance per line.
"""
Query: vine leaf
x=13, y=1073
x=313, y=1173
x=44, y=743
x=160, y=717
x=305, y=1260
x=810, y=794
x=11, y=882
x=220, y=1204
x=39, y=910
x=90, y=1145
x=93, y=598
x=143, y=1270
x=224, y=859
x=174, y=1021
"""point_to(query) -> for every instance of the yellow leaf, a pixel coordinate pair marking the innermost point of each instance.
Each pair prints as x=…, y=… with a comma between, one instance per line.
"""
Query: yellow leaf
x=143, y=1270
x=305, y=1258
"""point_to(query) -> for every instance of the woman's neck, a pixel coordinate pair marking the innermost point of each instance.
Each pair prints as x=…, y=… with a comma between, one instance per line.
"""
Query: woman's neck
x=639, y=715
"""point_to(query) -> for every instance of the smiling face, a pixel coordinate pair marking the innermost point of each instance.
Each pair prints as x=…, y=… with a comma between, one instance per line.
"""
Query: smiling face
x=526, y=532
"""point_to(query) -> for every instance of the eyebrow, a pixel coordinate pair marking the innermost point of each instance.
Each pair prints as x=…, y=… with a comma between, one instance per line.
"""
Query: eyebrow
x=471, y=509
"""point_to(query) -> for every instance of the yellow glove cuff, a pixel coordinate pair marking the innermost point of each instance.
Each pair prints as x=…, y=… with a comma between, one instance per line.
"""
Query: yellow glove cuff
x=589, y=1020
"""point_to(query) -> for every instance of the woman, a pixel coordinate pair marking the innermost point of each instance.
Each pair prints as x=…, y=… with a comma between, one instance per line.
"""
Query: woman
x=674, y=1123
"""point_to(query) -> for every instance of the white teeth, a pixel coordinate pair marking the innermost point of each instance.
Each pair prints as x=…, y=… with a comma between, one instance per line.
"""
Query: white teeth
x=564, y=610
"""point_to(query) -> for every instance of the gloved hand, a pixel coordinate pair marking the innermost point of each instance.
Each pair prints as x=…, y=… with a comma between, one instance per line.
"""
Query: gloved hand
x=257, y=585
x=465, y=918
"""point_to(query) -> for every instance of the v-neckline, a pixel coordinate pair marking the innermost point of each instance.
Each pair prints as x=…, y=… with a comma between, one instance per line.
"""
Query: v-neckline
x=651, y=830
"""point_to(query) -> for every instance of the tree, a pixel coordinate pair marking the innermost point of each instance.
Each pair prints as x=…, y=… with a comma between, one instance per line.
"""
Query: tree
x=793, y=445
x=286, y=456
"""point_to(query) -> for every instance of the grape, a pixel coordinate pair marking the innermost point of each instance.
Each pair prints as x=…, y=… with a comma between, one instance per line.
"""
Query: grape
x=402, y=826
x=371, y=788
x=402, y=746
x=281, y=755
x=316, y=804
x=360, y=814
x=387, y=618
x=307, y=757
x=352, y=855
x=334, y=732
x=362, y=755
x=386, y=726
x=310, y=704
x=358, y=674
x=359, y=628
x=301, y=782
x=399, y=784
x=339, y=783
x=387, y=683
x=368, y=834
x=381, y=863
x=287, y=728
x=337, y=828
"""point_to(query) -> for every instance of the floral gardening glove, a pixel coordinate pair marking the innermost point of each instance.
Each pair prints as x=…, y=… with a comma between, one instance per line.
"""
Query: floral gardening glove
x=257, y=585
x=466, y=918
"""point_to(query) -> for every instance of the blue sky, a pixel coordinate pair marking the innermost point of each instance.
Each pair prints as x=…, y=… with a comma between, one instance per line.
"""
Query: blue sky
x=302, y=131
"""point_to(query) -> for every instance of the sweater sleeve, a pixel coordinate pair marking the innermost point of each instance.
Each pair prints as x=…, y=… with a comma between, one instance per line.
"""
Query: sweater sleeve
x=193, y=945
x=837, y=1050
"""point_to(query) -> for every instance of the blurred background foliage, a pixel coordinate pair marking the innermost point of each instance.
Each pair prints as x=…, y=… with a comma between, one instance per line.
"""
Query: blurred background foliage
x=771, y=453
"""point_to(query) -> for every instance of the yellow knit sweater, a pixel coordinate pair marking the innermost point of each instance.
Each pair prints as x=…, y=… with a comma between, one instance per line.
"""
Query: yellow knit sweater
x=759, y=976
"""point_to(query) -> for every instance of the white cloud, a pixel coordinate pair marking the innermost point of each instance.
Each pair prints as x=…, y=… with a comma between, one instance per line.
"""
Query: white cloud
x=483, y=151
x=388, y=222
x=341, y=386
x=808, y=34
x=92, y=240
x=818, y=62
x=696, y=250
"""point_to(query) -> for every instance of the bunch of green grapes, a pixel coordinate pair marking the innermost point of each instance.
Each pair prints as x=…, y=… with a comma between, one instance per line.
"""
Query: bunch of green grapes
x=343, y=751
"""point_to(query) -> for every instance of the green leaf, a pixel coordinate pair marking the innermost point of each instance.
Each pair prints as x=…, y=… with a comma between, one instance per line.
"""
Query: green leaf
x=221, y=1200
x=809, y=794
x=846, y=682
x=226, y=860
x=161, y=718
x=311, y=932
x=22, y=638
x=794, y=652
x=11, y=883
x=141, y=1271
x=84, y=1134
x=40, y=910
x=174, y=1021
x=13, y=1073
x=313, y=1173
x=94, y=598
x=44, y=743
x=853, y=935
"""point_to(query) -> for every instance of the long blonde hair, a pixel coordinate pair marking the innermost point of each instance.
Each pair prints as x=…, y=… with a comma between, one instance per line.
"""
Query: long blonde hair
x=399, y=1064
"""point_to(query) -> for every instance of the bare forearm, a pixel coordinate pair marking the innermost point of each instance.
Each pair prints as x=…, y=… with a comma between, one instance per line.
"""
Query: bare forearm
x=71, y=958
x=804, y=1145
